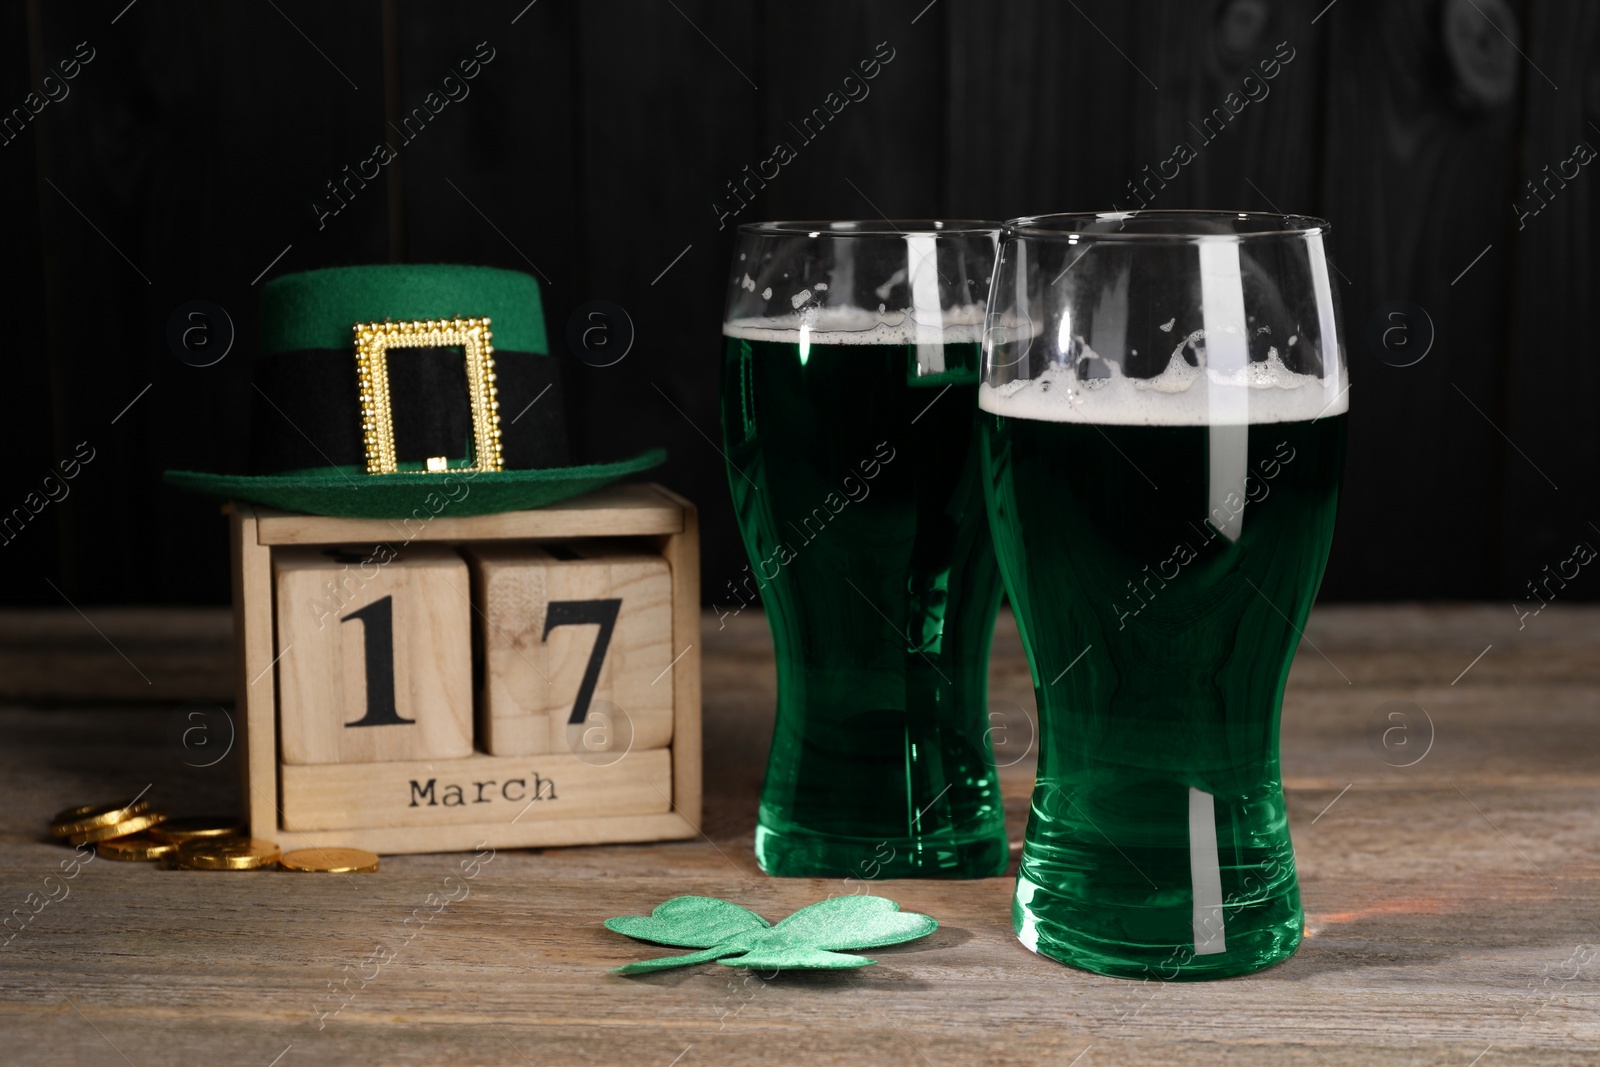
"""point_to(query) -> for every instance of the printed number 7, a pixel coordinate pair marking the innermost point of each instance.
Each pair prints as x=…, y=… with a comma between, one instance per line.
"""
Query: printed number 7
x=585, y=613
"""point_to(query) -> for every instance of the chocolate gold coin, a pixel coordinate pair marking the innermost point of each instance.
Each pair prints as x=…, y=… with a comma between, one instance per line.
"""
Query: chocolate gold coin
x=227, y=854
x=196, y=827
x=137, y=847
x=331, y=860
x=125, y=828
x=67, y=815
x=89, y=817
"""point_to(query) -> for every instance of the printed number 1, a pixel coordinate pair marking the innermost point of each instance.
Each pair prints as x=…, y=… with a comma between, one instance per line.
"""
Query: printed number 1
x=377, y=633
x=585, y=613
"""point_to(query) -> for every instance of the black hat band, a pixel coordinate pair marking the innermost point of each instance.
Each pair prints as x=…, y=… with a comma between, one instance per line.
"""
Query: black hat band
x=306, y=409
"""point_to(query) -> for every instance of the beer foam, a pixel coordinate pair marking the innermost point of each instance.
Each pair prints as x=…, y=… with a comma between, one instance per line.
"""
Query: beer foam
x=859, y=326
x=1183, y=394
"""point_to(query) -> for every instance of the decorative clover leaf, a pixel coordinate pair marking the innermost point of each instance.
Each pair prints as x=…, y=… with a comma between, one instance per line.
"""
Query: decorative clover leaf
x=738, y=938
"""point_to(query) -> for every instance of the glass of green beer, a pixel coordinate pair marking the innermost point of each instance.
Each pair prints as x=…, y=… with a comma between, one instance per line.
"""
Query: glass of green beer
x=1163, y=429
x=849, y=415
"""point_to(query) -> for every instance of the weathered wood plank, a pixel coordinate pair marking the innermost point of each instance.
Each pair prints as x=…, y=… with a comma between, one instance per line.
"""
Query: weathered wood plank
x=1036, y=106
x=417, y=795
x=253, y=727
x=1552, y=487
x=491, y=179
x=124, y=654
x=625, y=510
x=28, y=525
x=188, y=159
x=863, y=147
x=1241, y=89
x=667, y=114
x=1421, y=124
x=682, y=553
x=1449, y=912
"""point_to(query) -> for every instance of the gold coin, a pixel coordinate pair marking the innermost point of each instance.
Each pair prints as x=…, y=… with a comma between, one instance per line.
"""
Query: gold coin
x=137, y=847
x=121, y=829
x=94, y=816
x=227, y=854
x=70, y=814
x=195, y=827
x=331, y=860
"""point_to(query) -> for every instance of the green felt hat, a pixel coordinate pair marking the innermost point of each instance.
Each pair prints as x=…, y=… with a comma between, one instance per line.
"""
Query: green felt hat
x=382, y=390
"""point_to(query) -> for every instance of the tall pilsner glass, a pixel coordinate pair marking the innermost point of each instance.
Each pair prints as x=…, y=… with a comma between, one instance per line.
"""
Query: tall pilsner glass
x=1164, y=400
x=849, y=414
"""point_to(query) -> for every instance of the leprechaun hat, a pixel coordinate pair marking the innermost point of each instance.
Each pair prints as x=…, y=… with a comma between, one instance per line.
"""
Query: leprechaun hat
x=379, y=390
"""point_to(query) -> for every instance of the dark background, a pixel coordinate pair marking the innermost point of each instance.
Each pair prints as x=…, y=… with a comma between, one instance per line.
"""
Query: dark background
x=185, y=158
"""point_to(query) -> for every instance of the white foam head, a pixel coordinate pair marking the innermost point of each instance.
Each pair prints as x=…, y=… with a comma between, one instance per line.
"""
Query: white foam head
x=1183, y=394
x=859, y=326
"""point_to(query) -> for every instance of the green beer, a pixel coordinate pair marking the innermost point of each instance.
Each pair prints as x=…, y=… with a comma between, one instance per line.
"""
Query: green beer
x=1164, y=402
x=856, y=483
x=1160, y=648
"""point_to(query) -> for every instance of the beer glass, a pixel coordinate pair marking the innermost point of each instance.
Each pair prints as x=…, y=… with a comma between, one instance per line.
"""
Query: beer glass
x=1164, y=398
x=849, y=416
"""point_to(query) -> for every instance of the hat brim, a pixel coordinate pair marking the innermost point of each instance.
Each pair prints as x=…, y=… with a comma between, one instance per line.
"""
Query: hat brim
x=351, y=493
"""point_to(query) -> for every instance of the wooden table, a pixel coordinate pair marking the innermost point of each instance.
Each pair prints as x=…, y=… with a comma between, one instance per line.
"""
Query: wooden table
x=1454, y=904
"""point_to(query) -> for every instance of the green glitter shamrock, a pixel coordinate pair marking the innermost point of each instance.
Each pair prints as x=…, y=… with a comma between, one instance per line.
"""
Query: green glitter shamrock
x=735, y=937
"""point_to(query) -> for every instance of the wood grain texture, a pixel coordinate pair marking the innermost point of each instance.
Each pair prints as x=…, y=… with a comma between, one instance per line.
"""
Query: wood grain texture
x=34, y=450
x=873, y=146
x=682, y=553
x=1081, y=107
x=523, y=833
x=1038, y=105
x=255, y=723
x=470, y=176
x=333, y=673
x=116, y=654
x=1418, y=172
x=477, y=790
x=1241, y=83
x=619, y=510
x=1553, y=485
x=1452, y=904
x=671, y=807
x=664, y=117
x=185, y=161
x=533, y=674
x=591, y=152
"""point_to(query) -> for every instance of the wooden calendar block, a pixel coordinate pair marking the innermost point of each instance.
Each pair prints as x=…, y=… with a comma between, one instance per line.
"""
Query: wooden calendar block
x=633, y=543
x=577, y=648
x=374, y=654
x=480, y=791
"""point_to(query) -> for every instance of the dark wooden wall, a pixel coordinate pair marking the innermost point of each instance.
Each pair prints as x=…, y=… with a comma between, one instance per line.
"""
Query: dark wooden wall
x=185, y=157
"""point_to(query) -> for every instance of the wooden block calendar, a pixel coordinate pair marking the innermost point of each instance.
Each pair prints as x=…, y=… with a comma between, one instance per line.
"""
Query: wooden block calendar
x=576, y=641
x=432, y=684
x=373, y=653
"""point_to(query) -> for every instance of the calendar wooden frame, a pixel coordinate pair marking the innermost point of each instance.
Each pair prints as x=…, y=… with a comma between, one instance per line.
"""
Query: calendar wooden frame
x=647, y=513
